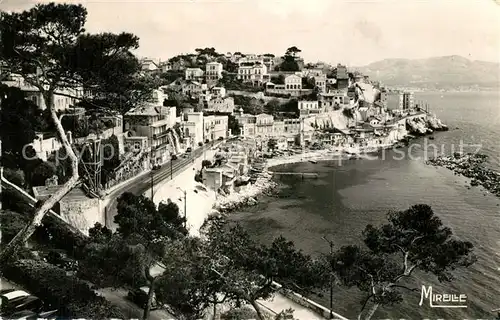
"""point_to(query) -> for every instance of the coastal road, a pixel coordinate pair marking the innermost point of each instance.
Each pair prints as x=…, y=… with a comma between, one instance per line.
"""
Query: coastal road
x=140, y=184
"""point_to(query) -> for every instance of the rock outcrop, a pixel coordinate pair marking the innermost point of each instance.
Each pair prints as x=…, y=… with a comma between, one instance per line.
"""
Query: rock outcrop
x=471, y=166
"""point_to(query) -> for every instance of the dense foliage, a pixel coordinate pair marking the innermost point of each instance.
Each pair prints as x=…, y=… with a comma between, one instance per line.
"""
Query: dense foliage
x=414, y=239
x=71, y=296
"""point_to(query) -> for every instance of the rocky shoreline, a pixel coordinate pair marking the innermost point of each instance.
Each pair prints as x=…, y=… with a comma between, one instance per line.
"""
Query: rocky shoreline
x=471, y=166
x=264, y=185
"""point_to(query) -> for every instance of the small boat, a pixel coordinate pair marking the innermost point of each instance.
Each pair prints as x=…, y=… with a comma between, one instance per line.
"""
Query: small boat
x=313, y=161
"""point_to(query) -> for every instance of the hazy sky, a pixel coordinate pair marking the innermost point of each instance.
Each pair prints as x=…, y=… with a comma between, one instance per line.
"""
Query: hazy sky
x=351, y=32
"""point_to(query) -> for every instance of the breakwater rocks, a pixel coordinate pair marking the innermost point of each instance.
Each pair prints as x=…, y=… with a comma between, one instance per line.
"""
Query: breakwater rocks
x=248, y=196
x=471, y=166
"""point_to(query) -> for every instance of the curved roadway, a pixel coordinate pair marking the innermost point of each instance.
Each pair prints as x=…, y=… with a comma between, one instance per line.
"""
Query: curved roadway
x=142, y=183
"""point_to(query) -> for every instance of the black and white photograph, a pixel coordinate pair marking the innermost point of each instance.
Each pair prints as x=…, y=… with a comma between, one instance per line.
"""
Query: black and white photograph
x=250, y=159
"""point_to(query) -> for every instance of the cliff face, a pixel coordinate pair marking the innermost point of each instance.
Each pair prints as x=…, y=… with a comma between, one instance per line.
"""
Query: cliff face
x=333, y=119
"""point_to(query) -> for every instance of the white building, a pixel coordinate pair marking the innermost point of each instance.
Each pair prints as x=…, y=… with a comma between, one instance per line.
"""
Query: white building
x=193, y=74
x=253, y=72
x=155, y=122
x=218, y=92
x=308, y=108
x=193, y=128
x=219, y=104
x=215, y=127
x=293, y=82
x=333, y=100
x=213, y=71
x=320, y=82
x=148, y=64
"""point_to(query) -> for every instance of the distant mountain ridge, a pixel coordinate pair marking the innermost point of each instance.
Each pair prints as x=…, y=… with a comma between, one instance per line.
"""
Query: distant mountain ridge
x=447, y=71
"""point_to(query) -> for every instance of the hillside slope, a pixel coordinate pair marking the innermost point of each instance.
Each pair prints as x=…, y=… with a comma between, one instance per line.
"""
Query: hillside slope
x=448, y=71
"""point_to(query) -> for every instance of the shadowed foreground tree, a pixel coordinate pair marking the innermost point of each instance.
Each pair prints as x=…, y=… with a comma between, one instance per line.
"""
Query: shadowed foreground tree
x=414, y=239
x=248, y=271
x=43, y=45
x=129, y=256
x=138, y=215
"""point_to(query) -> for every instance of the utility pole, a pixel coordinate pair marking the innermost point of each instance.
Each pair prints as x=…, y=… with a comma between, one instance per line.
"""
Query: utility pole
x=331, y=277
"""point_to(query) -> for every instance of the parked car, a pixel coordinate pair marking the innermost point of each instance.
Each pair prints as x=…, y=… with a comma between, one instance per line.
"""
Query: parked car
x=140, y=297
x=18, y=300
x=189, y=149
x=156, y=167
x=173, y=157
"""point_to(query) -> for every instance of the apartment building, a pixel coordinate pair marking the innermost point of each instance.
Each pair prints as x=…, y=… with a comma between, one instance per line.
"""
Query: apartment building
x=193, y=128
x=406, y=100
x=155, y=122
x=215, y=127
x=213, y=71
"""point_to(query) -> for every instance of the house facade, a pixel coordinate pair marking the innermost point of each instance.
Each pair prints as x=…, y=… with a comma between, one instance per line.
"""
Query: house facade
x=320, y=82
x=193, y=88
x=213, y=71
x=155, y=122
x=220, y=104
x=333, y=100
x=253, y=72
x=309, y=108
x=293, y=83
x=215, y=127
x=193, y=74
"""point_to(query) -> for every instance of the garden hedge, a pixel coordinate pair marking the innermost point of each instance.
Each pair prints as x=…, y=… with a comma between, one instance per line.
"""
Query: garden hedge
x=73, y=297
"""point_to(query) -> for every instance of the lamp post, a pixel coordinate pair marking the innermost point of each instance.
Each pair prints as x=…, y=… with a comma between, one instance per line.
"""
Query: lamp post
x=185, y=205
x=331, y=277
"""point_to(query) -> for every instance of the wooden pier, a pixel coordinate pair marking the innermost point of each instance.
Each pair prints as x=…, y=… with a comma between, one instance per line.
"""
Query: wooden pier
x=304, y=175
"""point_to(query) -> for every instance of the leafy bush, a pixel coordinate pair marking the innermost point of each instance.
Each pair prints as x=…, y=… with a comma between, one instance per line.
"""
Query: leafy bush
x=73, y=297
x=14, y=176
x=61, y=236
x=200, y=144
x=244, y=313
x=206, y=164
x=11, y=223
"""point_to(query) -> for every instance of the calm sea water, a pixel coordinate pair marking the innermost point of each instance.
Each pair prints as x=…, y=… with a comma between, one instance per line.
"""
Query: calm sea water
x=349, y=195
